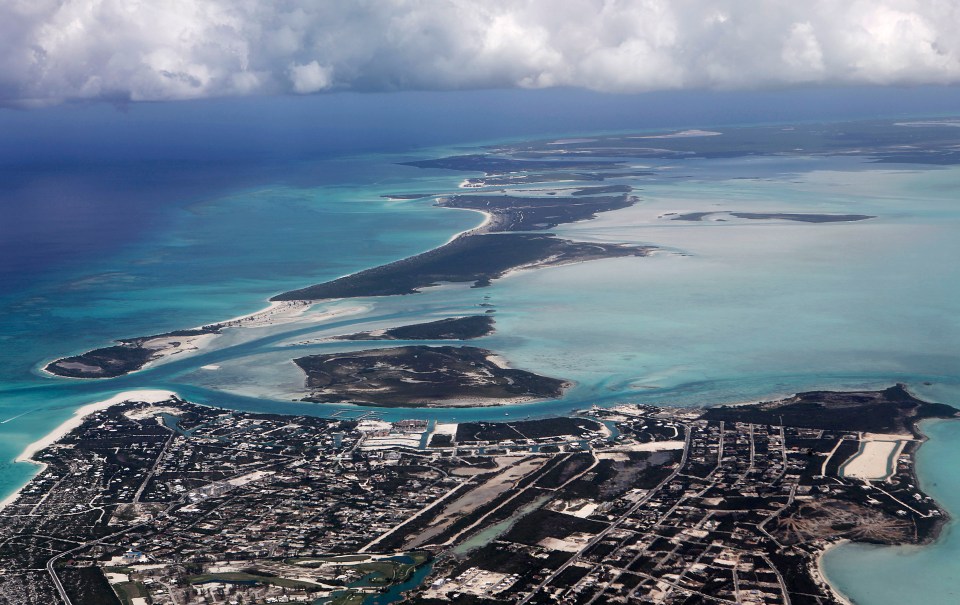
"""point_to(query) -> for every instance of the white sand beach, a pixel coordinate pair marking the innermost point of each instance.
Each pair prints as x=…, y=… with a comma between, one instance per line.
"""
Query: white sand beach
x=281, y=311
x=682, y=134
x=146, y=396
x=277, y=313
x=9, y=499
x=820, y=577
x=479, y=229
x=289, y=311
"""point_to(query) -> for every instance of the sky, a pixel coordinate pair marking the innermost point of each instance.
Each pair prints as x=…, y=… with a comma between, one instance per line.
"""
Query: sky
x=56, y=51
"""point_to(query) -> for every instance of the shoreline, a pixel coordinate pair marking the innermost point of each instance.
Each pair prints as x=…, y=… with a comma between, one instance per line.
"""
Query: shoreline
x=818, y=569
x=275, y=313
x=80, y=414
x=459, y=403
x=153, y=396
x=74, y=421
x=286, y=311
x=162, y=347
x=278, y=311
x=478, y=230
x=820, y=575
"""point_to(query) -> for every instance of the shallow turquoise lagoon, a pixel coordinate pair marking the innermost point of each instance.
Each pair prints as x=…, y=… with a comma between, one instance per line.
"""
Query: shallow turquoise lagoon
x=725, y=311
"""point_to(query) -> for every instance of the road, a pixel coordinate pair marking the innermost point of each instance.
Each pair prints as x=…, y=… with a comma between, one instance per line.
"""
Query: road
x=603, y=533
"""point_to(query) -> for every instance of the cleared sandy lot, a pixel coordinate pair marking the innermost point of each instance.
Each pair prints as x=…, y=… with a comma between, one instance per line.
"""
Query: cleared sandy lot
x=873, y=461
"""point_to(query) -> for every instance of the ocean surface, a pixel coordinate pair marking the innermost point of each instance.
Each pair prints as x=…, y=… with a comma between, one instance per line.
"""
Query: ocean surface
x=725, y=311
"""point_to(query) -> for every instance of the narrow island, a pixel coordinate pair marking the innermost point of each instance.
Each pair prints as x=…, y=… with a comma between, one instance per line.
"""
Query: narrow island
x=512, y=213
x=414, y=376
x=451, y=328
x=602, y=189
x=799, y=217
x=133, y=354
x=493, y=164
x=407, y=196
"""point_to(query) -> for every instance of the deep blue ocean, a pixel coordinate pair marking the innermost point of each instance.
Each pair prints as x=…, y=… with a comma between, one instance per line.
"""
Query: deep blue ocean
x=133, y=221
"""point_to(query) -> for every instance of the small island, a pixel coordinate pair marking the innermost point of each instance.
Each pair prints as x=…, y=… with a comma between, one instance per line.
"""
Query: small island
x=451, y=328
x=134, y=354
x=416, y=376
x=131, y=354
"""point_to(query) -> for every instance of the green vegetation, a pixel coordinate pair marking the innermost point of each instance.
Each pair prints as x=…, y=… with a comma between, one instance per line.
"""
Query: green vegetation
x=478, y=259
x=893, y=410
x=127, y=591
x=452, y=328
x=350, y=597
x=419, y=557
x=419, y=375
x=385, y=572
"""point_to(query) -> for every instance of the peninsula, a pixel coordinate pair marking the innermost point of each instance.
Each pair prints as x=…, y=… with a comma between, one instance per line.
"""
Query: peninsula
x=503, y=243
x=476, y=259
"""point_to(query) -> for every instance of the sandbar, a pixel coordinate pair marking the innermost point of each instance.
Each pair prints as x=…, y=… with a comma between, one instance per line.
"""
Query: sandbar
x=135, y=354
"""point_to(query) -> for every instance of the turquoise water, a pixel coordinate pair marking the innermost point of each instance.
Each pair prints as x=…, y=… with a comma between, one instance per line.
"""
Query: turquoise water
x=207, y=260
x=725, y=312
x=394, y=594
x=892, y=576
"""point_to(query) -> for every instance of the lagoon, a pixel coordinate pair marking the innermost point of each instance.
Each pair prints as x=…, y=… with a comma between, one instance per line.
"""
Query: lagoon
x=727, y=311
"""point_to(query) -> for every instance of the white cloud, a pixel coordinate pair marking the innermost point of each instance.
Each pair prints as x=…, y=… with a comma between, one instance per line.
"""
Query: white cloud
x=802, y=54
x=310, y=77
x=54, y=50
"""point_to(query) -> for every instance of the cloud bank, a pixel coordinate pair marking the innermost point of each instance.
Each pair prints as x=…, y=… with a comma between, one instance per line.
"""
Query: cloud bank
x=146, y=50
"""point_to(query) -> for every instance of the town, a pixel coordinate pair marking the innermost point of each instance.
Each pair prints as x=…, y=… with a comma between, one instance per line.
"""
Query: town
x=175, y=503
